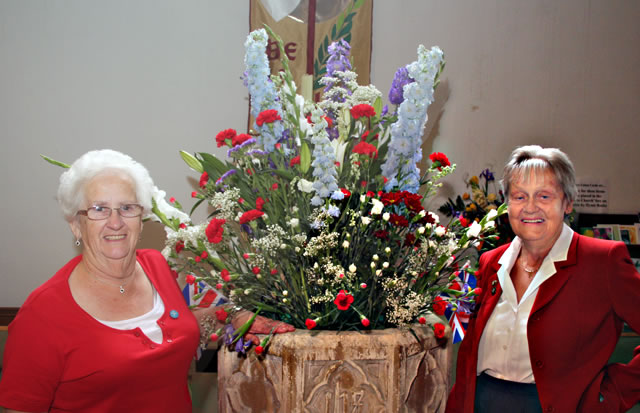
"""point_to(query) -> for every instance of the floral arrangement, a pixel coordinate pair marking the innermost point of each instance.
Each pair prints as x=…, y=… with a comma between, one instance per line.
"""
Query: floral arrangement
x=317, y=216
x=472, y=207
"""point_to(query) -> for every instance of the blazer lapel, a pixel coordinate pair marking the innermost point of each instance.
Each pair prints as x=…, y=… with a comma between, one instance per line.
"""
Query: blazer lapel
x=491, y=294
x=552, y=286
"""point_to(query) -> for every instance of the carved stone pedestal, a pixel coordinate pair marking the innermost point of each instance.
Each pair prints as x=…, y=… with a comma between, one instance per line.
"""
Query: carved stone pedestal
x=379, y=371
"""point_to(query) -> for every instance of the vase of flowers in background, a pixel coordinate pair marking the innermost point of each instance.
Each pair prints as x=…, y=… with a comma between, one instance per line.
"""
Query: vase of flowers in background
x=483, y=195
x=317, y=219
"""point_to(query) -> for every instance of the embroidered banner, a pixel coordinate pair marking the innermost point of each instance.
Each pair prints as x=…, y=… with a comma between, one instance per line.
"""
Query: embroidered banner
x=306, y=39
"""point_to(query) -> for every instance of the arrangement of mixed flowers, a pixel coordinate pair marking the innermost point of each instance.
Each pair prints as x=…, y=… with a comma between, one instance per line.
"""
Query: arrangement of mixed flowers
x=317, y=215
x=473, y=206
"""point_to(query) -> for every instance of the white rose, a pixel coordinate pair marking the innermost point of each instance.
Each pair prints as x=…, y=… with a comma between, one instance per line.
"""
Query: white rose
x=305, y=186
x=377, y=207
x=386, y=216
x=474, y=230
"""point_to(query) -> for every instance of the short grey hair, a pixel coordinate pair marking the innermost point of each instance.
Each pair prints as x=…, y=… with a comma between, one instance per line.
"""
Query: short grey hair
x=525, y=159
x=71, y=192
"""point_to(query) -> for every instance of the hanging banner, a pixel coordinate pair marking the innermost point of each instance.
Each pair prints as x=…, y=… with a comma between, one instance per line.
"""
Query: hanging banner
x=306, y=39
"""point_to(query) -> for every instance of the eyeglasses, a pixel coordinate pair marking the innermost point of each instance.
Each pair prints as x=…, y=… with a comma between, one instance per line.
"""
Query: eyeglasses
x=96, y=212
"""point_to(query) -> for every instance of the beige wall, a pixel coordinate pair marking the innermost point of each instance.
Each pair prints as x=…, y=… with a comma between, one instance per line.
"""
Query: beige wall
x=152, y=77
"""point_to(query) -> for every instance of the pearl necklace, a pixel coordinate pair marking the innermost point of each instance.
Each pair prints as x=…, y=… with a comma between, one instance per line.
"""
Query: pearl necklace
x=529, y=270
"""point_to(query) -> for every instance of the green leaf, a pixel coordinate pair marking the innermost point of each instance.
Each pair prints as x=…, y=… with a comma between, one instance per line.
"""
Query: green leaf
x=195, y=206
x=54, y=162
x=377, y=105
x=358, y=4
x=333, y=31
x=305, y=157
x=191, y=161
x=346, y=30
x=211, y=162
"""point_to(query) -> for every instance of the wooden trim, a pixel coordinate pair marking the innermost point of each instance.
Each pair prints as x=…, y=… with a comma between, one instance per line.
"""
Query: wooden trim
x=7, y=314
x=629, y=334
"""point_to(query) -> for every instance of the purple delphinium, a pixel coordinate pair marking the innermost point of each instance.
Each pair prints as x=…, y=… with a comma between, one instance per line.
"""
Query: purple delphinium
x=225, y=176
x=338, y=57
x=401, y=78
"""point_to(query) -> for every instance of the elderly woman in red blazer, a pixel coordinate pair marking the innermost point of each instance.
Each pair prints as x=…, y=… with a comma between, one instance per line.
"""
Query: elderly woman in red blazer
x=552, y=307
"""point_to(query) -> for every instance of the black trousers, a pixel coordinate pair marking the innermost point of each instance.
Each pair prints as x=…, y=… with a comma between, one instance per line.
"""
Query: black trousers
x=501, y=396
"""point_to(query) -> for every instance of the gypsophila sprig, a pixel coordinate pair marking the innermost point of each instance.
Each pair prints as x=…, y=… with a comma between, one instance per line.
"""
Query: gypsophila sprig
x=317, y=215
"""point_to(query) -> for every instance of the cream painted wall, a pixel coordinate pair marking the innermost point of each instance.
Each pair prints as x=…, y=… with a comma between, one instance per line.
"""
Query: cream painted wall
x=152, y=77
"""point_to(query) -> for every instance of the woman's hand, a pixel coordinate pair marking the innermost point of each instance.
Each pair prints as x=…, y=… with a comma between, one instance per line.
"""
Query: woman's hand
x=261, y=325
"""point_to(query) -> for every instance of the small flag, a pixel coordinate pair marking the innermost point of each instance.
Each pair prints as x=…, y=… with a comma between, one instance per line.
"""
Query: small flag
x=201, y=294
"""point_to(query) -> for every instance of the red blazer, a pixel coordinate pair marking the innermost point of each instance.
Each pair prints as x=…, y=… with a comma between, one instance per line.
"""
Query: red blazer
x=572, y=330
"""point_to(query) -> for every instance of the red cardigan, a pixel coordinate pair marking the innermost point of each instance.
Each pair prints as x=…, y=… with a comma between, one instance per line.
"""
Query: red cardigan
x=572, y=330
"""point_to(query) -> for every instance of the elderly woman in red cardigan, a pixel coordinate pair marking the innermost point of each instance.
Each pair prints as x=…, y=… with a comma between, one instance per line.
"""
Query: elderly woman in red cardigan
x=552, y=307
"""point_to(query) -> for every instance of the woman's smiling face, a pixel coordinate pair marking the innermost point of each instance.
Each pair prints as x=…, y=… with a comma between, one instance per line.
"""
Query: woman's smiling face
x=536, y=207
x=116, y=237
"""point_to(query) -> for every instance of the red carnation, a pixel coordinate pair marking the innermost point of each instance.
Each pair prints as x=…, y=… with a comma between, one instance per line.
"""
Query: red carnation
x=422, y=320
x=364, y=148
x=274, y=186
x=255, y=270
x=398, y=220
x=464, y=222
x=259, y=203
x=190, y=279
x=215, y=230
x=438, y=330
x=179, y=246
x=381, y=234
x=346, y=192
x=439, y=305
x=361, y=110
x=364, y=136
x=172, y=200
x=194, y=194
x=343, y=300
x=365, y=321
x=267, y=116
x=439, y=160
x=259, y=350
x=250, y=216
x=391, y=198
x=214, y=337
x=223, y=136
x=204, y=255
x=295, y=161
x=204, y=178
x=310, y=323
x=240, y=139
x=222, y=315
x=224, y=274
x=329, y=121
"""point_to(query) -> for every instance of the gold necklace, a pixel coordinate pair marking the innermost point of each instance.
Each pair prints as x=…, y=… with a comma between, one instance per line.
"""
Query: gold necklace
x=122, y=290
x=529, y=270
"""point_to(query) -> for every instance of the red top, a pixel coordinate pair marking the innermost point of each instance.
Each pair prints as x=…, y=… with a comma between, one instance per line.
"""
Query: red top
x=58, y=358
x=572, y=330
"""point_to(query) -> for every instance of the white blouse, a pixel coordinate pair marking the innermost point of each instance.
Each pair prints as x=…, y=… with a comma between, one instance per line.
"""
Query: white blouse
x=148, y=322
x=503, y=351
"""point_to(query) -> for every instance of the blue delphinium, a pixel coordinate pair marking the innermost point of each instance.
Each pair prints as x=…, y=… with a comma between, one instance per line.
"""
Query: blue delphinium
x=338, y=60
x=324, y=168
x=261, y=88
x=406, y=133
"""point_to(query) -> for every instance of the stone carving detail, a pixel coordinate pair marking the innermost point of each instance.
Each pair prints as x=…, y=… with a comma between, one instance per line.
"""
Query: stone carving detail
x=342, y=387
x=374, y=372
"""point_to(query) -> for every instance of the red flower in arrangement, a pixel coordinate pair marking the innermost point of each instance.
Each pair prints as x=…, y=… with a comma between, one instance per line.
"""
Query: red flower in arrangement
x=455, y=286
x=240, y=139
x=223, y=136
x=222, y=315
x=364, y=136
x=343, y=300
x=439, y=305
x=413, y=201
x=194, y=194
x=224, y=274
x=346, y=192
x=439, y=160
x=250, y=215
x=267, y=116
x=260, y=203
x=361, y=110
x=179, y=246
x=204, y=178
x=391, y=198
x=428, y=219
x=197, y=259
x=398, y=220
x=215, y=230
x=464, y=222
x=438, y=330
x=190, y=279
x=477, y=291
x=295, y=161
x=255, y=270
x=422, y=320
x=365, y=321
x=274, y=271
x=329, y=121
x=381, y=234
x=259, y=350
x=182, y=225
x=172, y=200
x=364, y=148
x=311, y=324
x=409, y=239
x=274, y=186
x=204, y=255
